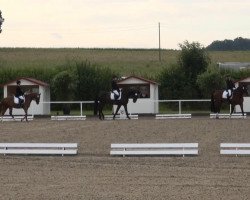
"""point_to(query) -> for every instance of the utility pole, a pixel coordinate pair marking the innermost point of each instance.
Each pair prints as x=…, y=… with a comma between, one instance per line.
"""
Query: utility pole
x=159, y=25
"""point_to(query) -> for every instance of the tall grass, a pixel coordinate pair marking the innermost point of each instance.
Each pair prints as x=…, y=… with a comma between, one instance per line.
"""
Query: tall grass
x=142, y=62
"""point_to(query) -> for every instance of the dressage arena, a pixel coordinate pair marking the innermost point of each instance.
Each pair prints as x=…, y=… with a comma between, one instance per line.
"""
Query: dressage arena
x=94, y=174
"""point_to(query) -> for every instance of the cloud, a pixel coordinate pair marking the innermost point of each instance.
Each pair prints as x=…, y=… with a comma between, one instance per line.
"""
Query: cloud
x=56, y=36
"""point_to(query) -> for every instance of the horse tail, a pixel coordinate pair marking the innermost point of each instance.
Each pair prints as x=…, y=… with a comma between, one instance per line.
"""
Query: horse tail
x=212, y=102
x=96, y=106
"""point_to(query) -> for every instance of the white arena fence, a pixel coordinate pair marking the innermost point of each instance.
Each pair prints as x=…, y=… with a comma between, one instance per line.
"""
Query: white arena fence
x=178, y=105
x=39, y=148
x=150, y=149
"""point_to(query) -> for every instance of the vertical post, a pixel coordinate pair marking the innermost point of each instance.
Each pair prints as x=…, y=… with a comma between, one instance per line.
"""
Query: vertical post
x=81, y=108
x=179, y=106
x=159, y=26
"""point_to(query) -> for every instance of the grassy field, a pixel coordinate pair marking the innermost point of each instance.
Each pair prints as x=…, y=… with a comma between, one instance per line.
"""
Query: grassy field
x=144, y=62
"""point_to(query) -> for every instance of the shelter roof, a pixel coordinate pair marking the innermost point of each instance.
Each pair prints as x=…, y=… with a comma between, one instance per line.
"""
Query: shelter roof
x=137, y=77
x=32, y=80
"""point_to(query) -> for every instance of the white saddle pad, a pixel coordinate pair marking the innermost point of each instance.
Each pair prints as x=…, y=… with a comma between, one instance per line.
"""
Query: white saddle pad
x=16, y=100
x=112, y=96
x=224, y=94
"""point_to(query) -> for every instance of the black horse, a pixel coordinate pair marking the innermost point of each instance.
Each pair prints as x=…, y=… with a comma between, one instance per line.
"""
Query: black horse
x=237, y=99
x=104, y=99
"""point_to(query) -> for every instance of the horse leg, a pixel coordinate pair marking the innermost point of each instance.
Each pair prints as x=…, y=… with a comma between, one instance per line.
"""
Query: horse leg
x=232, y=110
x=10, y=112
x=126, y=110
x=25, y=116
x=101, y=115
x=3, y=111
x=242, y=110
x=117, y=109
x=217, y=109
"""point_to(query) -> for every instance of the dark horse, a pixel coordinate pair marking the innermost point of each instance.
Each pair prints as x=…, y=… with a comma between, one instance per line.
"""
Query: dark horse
x=8, y=103
x=105, y=99
x=237, y=99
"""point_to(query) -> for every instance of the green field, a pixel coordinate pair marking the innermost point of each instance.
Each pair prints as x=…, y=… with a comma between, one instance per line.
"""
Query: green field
x=143, y=62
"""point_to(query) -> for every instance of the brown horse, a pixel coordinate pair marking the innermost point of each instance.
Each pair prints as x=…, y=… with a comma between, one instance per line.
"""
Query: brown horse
x=104, y=99
x=237, y=99
x=8, y=103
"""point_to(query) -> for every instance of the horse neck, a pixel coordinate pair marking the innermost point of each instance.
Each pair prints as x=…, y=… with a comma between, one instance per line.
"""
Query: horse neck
x=29, y=98
x=238, y=93
x=129, y=93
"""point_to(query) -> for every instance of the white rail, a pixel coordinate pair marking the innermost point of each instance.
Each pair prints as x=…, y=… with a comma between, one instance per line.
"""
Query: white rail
x=180, y=101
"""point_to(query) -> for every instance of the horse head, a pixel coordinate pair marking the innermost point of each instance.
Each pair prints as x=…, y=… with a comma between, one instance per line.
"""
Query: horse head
x=37, y=98
x=134, y=93
x=245, y=90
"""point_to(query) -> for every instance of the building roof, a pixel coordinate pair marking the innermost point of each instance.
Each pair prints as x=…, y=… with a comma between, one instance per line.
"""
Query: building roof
x=137, y=77
x=35, y=81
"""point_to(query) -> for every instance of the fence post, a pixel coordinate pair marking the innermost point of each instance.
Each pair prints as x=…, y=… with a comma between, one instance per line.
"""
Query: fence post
x=179, y=106
x=81, y=107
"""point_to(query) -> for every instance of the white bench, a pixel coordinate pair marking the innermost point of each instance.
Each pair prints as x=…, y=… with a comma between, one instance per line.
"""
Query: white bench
x=154, y=149
x=172, y=116
x=68, y=117
x=235, y=148
x=16, y=118
x=226, y=116
x=120, y=117
x=39, y=148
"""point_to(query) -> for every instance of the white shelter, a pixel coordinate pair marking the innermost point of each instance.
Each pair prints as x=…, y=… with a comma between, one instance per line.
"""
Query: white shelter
x=30, y=85
x=147, y=103
x=246, y=103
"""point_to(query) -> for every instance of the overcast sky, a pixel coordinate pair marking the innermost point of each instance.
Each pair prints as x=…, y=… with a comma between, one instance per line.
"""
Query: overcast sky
x=121, y=23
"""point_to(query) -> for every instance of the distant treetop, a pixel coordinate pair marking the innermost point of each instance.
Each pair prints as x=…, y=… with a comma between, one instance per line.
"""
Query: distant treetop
x=238, y=44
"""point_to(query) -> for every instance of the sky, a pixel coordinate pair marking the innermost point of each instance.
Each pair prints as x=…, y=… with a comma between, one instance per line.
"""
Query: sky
x=121, y=23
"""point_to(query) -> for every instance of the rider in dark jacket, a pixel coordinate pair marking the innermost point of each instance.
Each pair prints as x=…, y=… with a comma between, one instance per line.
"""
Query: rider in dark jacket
x=115, y=88
x=19, y=93
x=230, y=86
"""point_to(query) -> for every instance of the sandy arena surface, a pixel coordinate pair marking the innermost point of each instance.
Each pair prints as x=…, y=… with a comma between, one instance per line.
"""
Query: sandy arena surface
x=94, y=174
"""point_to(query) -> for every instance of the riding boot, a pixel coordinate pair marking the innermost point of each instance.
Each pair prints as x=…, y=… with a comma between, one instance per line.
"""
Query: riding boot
x=20, y=103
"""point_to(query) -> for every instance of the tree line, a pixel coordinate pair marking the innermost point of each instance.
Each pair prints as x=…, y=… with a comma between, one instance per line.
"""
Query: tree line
x=238, y=44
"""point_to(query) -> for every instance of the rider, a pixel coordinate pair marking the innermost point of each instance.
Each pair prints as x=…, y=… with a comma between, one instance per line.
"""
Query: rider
x=115, y=88
x=19, y=93
x=230, y=86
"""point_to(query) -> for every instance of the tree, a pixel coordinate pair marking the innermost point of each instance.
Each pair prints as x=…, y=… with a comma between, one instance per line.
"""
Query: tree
x=179, y=80
x=210, y=81
x=193, y=60
x=63, y=86
x=238, y=44
x=1, y=21
x=91, y=80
